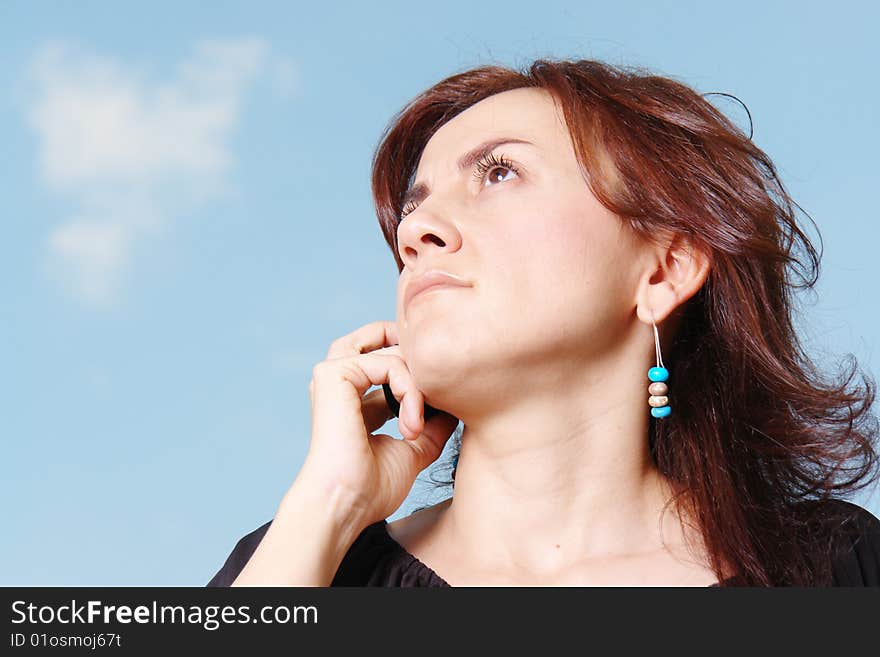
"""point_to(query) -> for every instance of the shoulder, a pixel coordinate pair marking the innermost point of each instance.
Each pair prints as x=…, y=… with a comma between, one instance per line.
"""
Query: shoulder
x=849, y=519
x=240, y=555
x=854, y=534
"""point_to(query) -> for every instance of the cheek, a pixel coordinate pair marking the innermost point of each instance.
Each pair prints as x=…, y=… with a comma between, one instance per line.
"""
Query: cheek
x=564, y=237
x=561, y=257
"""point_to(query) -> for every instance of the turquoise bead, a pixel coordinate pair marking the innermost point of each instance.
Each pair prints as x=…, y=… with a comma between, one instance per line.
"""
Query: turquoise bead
x=658, y=374
x=661, y=411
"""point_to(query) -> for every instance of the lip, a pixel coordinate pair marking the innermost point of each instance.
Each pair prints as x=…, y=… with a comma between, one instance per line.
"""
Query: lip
x=429, y=280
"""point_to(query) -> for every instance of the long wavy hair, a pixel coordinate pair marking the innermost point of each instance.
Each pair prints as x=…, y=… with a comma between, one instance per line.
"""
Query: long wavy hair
x=759, y=439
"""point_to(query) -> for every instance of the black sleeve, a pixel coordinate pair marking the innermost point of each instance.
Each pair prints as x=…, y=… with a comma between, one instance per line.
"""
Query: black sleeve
x=239, y=557
x=372, y=554
x=858, y=562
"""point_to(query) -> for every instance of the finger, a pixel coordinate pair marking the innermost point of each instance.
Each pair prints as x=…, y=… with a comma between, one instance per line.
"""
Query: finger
x=361, y=372
x=367, y=338
x=375, y=410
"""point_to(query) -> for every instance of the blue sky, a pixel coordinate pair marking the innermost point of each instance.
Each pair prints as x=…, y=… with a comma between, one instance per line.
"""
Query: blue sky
x=188, y=225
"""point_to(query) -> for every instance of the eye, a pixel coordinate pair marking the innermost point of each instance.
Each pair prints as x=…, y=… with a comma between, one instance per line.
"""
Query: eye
x=487, y=164
x=409, y=207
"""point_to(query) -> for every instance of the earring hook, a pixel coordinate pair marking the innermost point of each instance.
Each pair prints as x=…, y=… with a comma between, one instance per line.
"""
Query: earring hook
x=656, y=341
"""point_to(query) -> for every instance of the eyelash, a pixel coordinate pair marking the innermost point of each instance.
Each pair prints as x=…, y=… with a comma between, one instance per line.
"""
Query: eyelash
x=486, y=163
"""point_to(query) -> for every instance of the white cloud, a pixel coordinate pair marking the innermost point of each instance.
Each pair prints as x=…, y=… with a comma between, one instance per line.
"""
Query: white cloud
x=131, y=152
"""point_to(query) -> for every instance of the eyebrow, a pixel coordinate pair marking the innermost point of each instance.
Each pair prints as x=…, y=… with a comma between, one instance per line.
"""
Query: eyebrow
x=419, y=191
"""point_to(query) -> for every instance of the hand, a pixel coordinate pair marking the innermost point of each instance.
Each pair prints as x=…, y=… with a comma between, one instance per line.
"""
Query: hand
x=376, y=472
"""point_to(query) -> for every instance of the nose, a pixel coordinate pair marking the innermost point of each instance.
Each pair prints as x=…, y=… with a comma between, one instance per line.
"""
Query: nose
x=423, y=232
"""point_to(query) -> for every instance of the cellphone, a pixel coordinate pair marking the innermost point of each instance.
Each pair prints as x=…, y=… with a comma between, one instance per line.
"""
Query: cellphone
x=394, y=405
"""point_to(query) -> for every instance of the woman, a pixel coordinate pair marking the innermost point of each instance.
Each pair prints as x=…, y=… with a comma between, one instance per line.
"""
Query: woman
x=582, y=225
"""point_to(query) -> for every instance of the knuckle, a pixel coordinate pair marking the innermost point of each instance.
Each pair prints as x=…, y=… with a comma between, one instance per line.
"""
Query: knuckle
x=318, y=370
x=397, y=369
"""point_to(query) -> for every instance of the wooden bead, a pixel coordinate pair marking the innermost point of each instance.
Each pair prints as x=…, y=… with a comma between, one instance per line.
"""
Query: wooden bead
x=658, y=388
x=656, y=401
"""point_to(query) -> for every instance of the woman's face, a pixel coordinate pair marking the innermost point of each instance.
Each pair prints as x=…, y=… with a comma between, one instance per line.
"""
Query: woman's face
x=552, y=272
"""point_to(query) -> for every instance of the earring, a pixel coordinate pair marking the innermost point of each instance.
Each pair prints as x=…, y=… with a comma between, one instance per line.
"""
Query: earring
x=658, y=401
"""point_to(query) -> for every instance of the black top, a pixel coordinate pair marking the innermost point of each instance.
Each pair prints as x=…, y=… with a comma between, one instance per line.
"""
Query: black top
x=376, y=559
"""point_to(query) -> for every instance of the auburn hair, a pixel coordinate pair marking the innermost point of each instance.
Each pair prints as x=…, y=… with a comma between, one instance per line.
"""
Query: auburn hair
x=760, y=438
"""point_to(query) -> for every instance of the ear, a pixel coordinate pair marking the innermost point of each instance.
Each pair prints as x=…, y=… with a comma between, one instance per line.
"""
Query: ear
x=676, y=270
